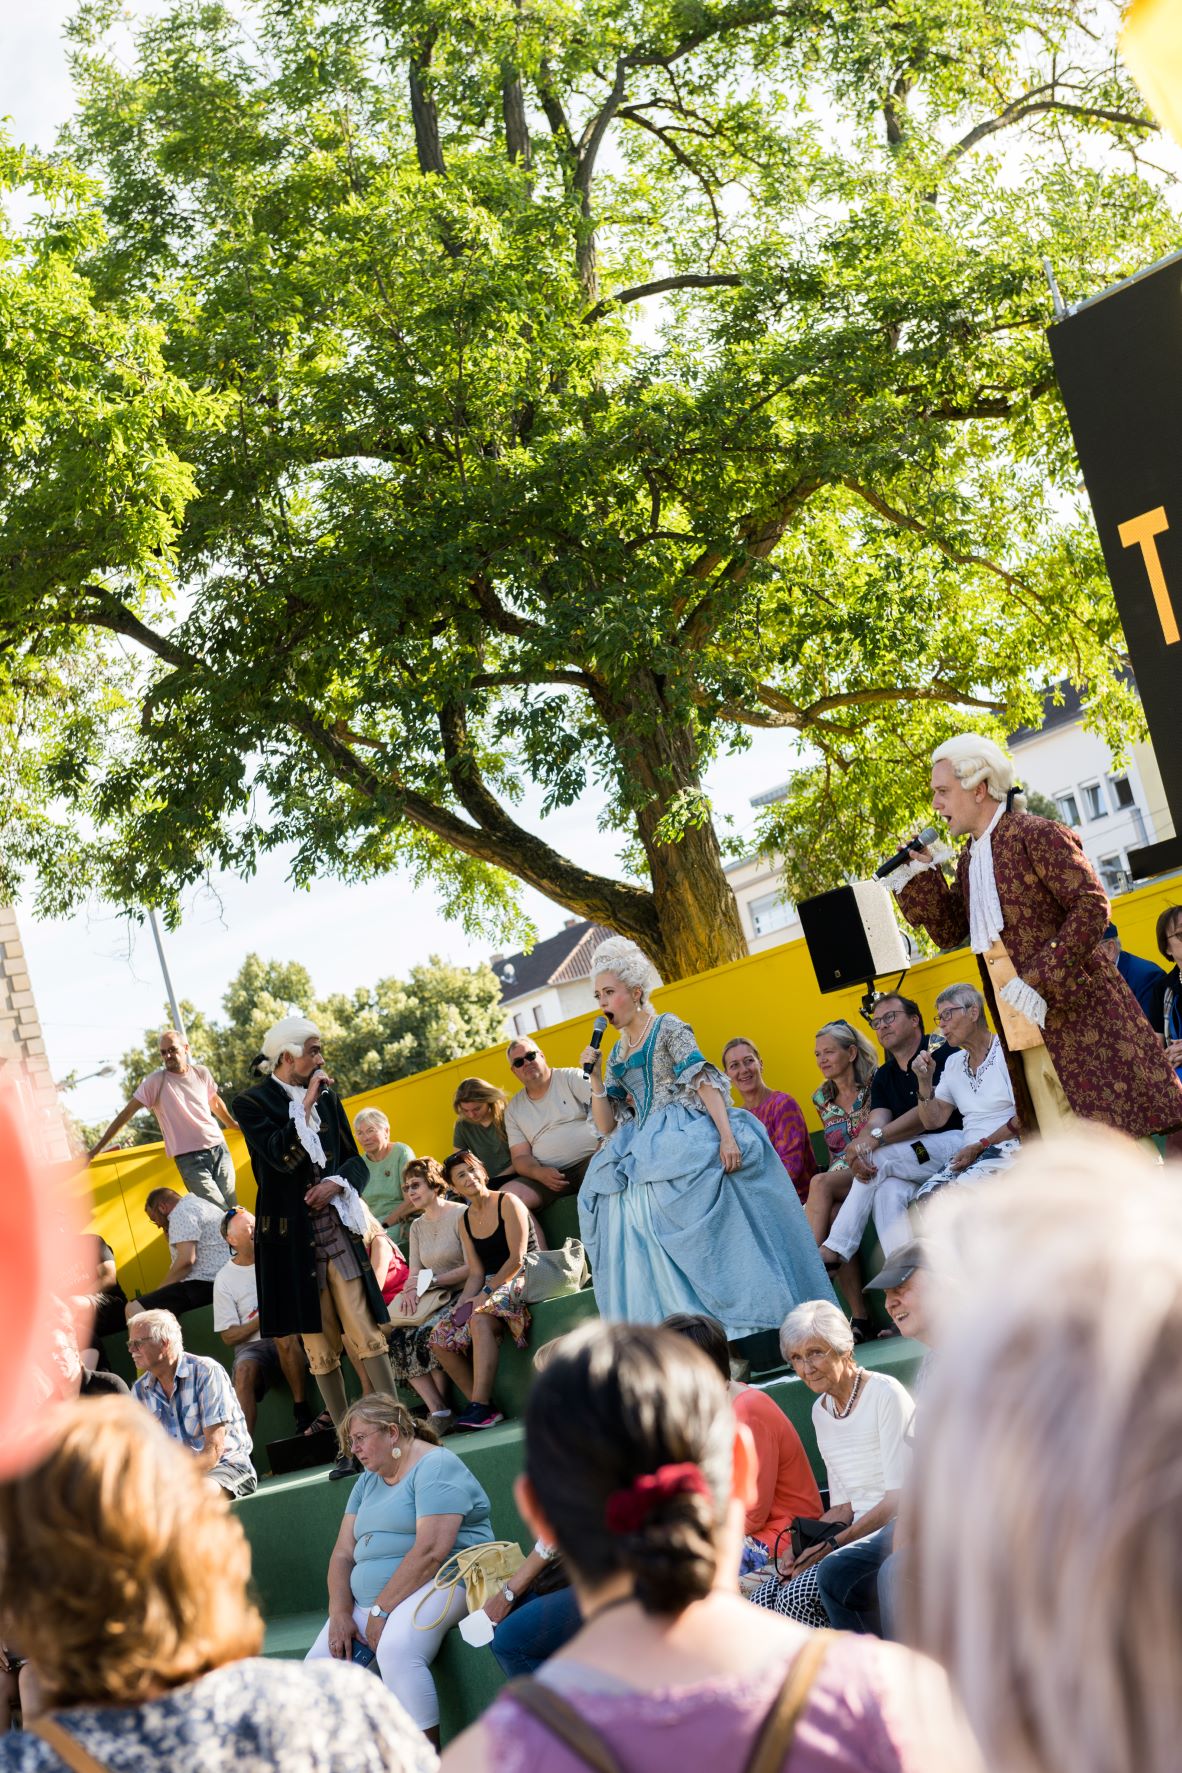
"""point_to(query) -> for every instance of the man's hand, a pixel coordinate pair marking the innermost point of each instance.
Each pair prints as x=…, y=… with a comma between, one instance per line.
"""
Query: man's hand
x=968, y=1154
x=321, y=1193
x=1174, y=1052
x=319, y=1080
x=341, y=1635
x=861, y=1162
x=548, y=1176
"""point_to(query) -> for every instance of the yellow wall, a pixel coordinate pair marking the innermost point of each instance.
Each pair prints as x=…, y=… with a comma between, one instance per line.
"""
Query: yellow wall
x=772, y=998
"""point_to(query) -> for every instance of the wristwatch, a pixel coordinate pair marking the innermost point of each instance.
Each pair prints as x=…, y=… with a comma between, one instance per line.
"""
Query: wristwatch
x=507, y=1595
x=875, y=1134
x=377, y=1612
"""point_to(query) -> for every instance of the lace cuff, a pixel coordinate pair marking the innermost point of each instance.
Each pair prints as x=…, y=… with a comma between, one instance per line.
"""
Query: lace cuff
x=1025, y=999
x=690, y=1073
x=307, y=1130
x=898, y=878
x=348, y=1205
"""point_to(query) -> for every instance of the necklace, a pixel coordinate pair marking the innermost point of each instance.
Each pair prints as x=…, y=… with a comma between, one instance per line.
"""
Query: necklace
x=633, y=1042
x=974, y=1077
x=840, y=1415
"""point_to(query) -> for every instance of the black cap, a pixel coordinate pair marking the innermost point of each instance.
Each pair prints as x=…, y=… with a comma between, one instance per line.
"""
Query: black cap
x=897, y=1268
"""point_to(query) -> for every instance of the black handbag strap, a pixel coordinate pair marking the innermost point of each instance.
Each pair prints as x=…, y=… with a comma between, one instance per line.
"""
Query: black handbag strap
x=771, y=1747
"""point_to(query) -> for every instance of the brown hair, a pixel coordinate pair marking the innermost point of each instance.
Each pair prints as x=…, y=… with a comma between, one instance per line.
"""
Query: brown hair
x=1165, y=928
x=427, y=1170
x=455, y=1158
x=475, y=1089
x=740, y=1040
x=381, y=1410
x=705, y=1333
x=163, y=1595
x=613, y=1403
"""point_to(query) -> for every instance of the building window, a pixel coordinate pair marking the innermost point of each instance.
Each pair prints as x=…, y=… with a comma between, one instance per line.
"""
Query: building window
x=1111, y=870
x=1094, y=801
x=1122, y=792
x=1069, y=807
x=770, y=912
x=525, y=1021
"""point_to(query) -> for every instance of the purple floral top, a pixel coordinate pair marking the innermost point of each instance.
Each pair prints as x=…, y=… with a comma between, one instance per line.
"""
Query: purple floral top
x=841, y=1125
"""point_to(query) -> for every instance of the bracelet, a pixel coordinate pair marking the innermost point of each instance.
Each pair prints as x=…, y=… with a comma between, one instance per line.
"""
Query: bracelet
x=599, y=1095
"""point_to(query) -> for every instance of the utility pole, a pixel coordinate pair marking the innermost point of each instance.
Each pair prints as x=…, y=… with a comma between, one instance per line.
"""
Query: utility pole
x=178, y=1023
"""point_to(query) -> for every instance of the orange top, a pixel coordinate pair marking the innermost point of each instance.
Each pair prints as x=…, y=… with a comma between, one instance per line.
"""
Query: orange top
x=785, y=1483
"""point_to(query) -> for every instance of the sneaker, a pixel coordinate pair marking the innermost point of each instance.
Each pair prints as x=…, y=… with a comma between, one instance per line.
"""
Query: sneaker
x=346, y=1466
x=478, y=1416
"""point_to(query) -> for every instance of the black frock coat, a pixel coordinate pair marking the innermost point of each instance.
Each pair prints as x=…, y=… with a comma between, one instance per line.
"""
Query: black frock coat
x=284, y=1247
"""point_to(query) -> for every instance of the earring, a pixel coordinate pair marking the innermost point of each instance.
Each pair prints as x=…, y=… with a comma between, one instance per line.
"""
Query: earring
x=395, y=1450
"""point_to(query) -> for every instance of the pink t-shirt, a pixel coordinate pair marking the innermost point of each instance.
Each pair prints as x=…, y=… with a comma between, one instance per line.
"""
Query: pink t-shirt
x=182, y=1105
x=863, y=1715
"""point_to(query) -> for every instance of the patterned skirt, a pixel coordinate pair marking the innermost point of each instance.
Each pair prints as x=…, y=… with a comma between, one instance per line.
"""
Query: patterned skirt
x=507, y=1303
x=799, y=1598
x=411, y=1355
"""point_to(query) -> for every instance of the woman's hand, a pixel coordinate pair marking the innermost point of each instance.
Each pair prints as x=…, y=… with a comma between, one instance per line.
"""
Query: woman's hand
x=923, y=1065
x=463, y=1312
x=341, y=1634
x=1174, y=1052
x=408, y=1299
x=373, y=1632
x=497, y=1607
x=591, y=1056
x=966, y=1156
x=728, y=1151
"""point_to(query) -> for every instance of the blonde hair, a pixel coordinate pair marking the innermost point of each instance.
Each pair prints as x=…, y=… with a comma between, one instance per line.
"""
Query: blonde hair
x=846, y=1035
x=976, y=759
x=380, y=1410
x=1051, y=1419
x=122, y=1570
x=475, y=1089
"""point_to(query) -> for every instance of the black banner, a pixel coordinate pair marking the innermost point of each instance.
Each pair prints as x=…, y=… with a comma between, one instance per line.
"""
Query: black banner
x=1119, y=363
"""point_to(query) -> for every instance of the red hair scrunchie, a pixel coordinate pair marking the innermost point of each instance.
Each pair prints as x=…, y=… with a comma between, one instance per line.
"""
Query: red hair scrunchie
x=628, y=1510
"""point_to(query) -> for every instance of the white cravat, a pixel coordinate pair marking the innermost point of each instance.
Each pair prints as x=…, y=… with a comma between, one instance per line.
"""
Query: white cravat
x=348, y=1202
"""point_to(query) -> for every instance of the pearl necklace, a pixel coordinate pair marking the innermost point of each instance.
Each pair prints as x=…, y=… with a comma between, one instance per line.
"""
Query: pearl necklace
x=633, y=1044
x=840, y=1415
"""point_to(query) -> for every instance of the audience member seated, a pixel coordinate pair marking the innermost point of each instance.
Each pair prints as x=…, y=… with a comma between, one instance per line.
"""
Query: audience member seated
x=974, y=1083
x=65, y=1373
x=193, y=1399
x=480, y=1125
x=413, y=1506
x=127, y=1579
x=779, y=1114
x=199, y=1251
x=784, y=1483
x=105, y=1295
x=861, y=1421
x=496, y=1235
x=1051, y=1418
x=437, y=1259
x=857, y=1583
x=847, y=1063
x=1169, y=941
x=548, y=1126
x=259, y=1361
x=386, y=1162
x=893, y=1143
x=1144, y=978
x=635, y=1469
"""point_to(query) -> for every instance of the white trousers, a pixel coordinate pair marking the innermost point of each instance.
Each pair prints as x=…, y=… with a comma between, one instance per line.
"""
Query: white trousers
x=898, y=1173
x=405, y=1653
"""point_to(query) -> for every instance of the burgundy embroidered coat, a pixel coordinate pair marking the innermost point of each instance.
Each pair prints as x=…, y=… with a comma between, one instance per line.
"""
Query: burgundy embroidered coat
x=1109, y=1061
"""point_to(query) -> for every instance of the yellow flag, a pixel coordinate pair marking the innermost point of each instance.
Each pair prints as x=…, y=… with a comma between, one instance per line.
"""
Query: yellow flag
x=1151, y=44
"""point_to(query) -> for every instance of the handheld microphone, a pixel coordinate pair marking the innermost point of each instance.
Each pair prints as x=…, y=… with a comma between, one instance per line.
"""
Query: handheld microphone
x=926, y=837
x=596, y=1041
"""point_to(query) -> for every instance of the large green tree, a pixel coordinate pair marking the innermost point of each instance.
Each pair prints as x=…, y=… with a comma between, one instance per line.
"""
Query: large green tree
x=416, y=401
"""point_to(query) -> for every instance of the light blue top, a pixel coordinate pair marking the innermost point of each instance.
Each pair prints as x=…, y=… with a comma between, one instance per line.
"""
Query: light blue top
x=387, y=1516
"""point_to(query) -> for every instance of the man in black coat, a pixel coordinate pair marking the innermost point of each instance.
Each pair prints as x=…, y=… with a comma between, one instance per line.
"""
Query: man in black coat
x=314, y=1274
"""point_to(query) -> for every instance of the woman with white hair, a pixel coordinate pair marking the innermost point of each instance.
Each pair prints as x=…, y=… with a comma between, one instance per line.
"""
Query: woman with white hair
x=974, y=1084
x=1034, y=912
x=385, y=1159
x=684, y=1206
x=1043, y=1514
x=861, y=1420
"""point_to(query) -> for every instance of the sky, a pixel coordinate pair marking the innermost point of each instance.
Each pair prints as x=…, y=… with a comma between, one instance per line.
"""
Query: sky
x=96, y=977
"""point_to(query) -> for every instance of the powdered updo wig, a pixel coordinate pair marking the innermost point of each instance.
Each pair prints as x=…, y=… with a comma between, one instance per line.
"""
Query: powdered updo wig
x=288, y=1036
x=630, y=965
x=975, y=759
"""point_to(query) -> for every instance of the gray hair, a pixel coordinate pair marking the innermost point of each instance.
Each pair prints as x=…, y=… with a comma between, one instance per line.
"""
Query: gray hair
x=163, y=1327
x=820, y=1318
x=629, y=963
x=370, y=1117
x=1052, y=1413
x=976, y=759
x=967, y=997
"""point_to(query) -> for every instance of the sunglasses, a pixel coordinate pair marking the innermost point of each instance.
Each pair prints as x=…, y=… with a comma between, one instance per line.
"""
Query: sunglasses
x=523, y=1059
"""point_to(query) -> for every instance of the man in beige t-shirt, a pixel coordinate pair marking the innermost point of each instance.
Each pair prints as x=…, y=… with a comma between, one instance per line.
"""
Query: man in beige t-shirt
x=548, y=1126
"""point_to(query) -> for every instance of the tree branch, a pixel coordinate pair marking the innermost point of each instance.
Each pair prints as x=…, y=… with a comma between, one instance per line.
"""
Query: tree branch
x=660, y=286
x=1029, y=106
x=424, y=114
x=108, y=612
x=758, y=536
x=527, y=679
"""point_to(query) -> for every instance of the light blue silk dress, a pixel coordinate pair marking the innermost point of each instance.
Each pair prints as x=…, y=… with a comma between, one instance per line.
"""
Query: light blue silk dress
x=665, y=1227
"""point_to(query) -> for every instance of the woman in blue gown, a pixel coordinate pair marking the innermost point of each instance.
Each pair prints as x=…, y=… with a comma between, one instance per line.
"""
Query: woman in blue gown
x=686, y=1206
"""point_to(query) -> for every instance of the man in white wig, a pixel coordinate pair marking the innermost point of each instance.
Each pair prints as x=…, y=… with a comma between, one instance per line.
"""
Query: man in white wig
x=314, y=1276
x=1035, y=913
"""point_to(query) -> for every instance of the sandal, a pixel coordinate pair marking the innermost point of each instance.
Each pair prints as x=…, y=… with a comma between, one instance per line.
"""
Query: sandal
x=321, y=1424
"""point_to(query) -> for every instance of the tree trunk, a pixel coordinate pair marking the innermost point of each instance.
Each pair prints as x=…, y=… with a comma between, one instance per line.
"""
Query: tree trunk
x=517, y=143
x=425, y=116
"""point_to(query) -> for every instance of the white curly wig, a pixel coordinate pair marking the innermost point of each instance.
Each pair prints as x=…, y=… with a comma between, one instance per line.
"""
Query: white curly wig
x=975, y=759
x=630, y=965
x=287, y=1036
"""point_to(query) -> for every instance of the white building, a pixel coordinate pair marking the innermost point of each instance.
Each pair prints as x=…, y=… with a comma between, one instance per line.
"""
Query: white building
x=552, y=981
x=1114, y=808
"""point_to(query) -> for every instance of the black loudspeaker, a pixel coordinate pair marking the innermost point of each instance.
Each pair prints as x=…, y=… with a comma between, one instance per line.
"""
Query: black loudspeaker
x=853, y=935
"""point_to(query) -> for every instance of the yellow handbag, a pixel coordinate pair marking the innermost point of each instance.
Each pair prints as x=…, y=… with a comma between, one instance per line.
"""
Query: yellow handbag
x=483, y=1570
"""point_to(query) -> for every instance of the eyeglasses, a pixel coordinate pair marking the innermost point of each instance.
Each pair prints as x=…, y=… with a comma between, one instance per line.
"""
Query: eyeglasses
x=141, y=1342
x=877, y=1022
x=523, y=1059
x=956, y=1009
